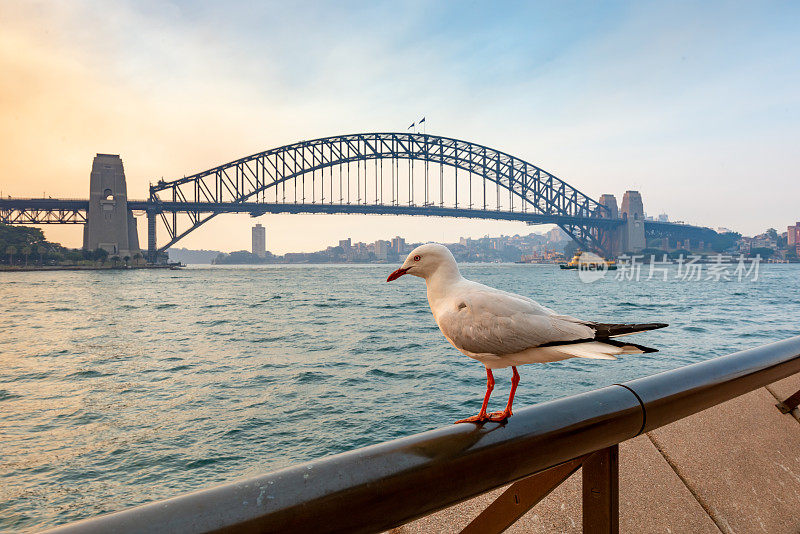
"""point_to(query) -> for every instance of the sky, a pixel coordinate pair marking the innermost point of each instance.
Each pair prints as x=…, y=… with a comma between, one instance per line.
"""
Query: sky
x=695, y=105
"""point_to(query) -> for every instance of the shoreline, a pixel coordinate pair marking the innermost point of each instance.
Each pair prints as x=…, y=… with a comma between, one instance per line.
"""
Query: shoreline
x=22, y=268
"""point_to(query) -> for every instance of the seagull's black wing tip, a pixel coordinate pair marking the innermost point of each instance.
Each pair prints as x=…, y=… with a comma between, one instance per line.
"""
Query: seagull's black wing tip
x=606, y=330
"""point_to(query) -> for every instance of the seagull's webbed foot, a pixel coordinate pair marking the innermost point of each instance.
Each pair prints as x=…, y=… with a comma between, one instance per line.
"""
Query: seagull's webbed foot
x=499, y=417
x=480, y=418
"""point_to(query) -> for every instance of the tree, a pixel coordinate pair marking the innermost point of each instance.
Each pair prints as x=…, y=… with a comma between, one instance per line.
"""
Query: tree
x=11, y=250
x=571, y=248
x=678, y=253
x=127, y=259
x=26, y=250
x=74, y=256
x=137, y=258
x=114, y=260
x=764, y=252
x=772, y=233
x=41, y=249
x=722, y=242
x=101, y=254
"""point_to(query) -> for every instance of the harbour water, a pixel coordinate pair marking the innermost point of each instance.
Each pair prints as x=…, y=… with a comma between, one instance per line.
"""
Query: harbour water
x=122, y=387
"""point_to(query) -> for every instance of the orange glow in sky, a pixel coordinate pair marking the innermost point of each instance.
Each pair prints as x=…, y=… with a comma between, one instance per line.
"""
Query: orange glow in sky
x=689, y=113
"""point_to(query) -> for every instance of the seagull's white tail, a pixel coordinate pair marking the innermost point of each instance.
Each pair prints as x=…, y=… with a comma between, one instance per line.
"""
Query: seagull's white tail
x=599, y=350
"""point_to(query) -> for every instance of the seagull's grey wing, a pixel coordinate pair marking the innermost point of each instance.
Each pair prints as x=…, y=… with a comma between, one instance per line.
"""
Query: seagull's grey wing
x=484, y=322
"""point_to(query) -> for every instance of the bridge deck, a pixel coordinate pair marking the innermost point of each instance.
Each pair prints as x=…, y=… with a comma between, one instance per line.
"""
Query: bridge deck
x=260, y=208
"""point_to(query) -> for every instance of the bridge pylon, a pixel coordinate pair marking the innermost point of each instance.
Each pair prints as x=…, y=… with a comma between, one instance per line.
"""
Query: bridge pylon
x=110, y=224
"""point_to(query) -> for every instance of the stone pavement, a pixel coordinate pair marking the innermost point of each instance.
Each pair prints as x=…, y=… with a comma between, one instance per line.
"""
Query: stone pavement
x=734, y=468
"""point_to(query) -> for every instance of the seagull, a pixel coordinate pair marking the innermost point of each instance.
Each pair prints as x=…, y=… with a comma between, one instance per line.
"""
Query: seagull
x=502, y=329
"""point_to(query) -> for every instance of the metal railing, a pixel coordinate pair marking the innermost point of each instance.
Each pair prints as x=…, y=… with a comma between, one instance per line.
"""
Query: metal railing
x=386, y=485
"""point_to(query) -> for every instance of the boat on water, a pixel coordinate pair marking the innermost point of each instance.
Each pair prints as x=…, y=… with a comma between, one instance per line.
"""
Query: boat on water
x=586, y=261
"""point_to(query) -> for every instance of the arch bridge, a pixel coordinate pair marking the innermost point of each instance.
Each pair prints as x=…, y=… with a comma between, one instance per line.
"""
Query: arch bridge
x=374, y=173
x=379, y=173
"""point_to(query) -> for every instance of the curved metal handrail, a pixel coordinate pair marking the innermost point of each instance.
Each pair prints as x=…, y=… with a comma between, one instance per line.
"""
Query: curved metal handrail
x=379, y=487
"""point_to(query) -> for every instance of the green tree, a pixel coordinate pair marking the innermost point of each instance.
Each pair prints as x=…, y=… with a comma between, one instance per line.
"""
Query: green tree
x=26, y=251
x=11, y=250
x=772, y=233
x=764, y=252
x=114, y=260
x=678, y=253
x=570, y=249
x=722, y=242
x=41, y=249
x=137, y=258
x=126, y=259
x=74, y=256
x=101, y=254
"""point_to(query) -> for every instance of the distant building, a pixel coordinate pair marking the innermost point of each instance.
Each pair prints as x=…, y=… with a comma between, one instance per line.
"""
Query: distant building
x=663, y=217
x=399, y=245
x=793, y=235
x=382, y=249
x=556, y=235
x=259, y=241
x=345, y=244
x=793, y=238
x=764, y=241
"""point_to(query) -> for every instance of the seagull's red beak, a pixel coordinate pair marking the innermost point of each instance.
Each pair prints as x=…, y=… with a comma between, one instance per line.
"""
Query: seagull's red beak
x=397, y=274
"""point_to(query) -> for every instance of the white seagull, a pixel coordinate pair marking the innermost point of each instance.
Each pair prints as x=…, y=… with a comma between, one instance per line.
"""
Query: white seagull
x=501, y=329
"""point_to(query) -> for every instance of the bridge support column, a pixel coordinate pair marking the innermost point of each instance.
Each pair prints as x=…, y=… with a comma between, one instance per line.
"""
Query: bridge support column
x=151, y=236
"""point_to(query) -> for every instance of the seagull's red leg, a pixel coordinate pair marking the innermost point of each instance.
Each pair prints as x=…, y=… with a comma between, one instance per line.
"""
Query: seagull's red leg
x=482, y=415
x=505, y=414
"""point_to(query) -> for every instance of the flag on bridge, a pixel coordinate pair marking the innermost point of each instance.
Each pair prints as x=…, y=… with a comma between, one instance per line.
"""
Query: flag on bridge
x=412, y=125
x=423, y=120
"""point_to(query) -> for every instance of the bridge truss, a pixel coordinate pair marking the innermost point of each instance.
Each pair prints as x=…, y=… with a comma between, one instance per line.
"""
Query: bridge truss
x=389, y=173
x=43, y=211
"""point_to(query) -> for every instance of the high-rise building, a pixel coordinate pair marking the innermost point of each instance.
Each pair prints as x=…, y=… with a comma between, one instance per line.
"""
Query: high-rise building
x=381, y=249
x=259, y=241
x=793, y=237
x=345, y=244
x=398, y=244
x=555, y=235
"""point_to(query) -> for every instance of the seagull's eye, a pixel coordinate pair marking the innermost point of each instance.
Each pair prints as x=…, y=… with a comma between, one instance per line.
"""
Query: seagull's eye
x=416, y=258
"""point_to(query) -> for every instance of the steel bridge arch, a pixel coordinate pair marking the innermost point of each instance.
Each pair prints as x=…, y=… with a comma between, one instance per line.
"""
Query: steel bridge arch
x=234, y=185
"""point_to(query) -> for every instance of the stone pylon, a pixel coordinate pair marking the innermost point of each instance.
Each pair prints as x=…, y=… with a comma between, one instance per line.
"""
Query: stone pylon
x=607, y=237
x=632, y=237
x=110, y=225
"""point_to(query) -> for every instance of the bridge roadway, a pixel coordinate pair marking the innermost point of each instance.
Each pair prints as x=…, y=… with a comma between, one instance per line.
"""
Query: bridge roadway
x=34, y=210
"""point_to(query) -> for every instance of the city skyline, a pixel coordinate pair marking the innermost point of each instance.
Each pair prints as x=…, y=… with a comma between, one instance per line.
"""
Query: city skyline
x=623, y=96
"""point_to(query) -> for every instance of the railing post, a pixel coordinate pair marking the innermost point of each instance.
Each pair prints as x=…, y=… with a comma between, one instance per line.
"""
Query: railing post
x=601, y=492
x=520, y=497
x=789, y=404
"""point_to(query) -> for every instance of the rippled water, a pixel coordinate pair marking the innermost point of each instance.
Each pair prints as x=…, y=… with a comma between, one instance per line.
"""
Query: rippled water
x=118, y=388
